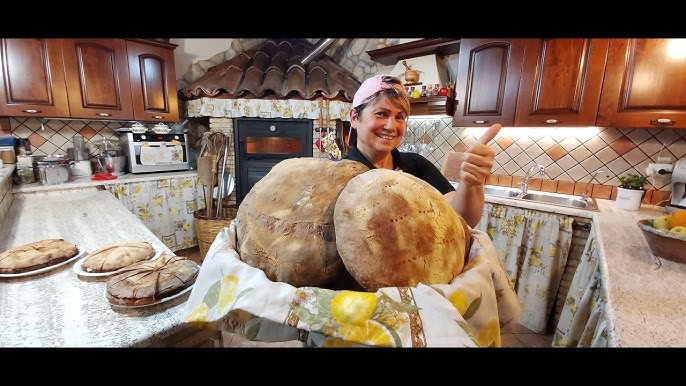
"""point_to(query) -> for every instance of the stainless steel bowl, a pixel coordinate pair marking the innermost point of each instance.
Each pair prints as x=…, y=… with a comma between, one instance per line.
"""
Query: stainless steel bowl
x=114, y=165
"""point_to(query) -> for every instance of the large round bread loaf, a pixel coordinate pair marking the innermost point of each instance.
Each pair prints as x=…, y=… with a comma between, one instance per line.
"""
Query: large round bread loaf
x=284, y=225
x=394, y=229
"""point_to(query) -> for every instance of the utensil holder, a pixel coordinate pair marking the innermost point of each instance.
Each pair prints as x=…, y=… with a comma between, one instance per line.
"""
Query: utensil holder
x=207, y=229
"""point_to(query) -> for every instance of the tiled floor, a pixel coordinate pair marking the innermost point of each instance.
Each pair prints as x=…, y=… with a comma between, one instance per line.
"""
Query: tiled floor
x=515, y=336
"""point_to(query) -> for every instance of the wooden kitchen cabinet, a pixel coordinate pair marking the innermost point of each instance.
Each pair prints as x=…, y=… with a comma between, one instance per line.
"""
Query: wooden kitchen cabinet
x=97, y=78
x=487, y=81
x=645, y=84
x=153, y=81
x=32, y=78
x=108, y=79
x=561, y=82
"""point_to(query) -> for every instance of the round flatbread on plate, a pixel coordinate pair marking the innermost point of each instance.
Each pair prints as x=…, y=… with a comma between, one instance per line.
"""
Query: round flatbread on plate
x=36, y=255
x=116, y=256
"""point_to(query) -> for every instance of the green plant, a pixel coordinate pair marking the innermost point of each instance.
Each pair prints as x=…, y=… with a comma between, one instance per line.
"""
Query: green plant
x=633, y=181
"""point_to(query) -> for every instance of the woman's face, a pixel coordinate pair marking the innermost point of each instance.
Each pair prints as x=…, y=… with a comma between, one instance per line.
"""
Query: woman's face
x=380, y=126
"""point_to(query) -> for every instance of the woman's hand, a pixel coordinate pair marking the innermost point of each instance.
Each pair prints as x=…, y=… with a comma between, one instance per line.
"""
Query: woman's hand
x=478, y=159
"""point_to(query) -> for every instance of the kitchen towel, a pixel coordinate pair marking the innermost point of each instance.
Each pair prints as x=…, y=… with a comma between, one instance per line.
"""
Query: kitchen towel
x=162, y=154
x=468, y=312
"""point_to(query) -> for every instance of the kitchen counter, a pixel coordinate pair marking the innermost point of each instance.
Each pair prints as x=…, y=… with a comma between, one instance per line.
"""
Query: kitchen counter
x=646, y=306
x=58, y=308
x=86, y=182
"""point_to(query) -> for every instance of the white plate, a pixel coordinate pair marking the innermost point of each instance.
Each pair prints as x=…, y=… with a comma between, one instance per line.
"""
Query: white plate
x=78, y=267
x=81, y=249
x=163, y=300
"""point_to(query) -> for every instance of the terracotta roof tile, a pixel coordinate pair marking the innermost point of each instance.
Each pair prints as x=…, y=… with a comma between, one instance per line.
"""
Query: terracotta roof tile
x=273, y=69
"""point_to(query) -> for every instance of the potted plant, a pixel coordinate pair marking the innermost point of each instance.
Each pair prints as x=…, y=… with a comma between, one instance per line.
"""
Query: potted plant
x=630, y=191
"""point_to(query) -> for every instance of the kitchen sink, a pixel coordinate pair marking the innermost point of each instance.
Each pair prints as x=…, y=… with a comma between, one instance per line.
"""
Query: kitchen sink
x=558, y=199
x=500, y=191
x=561, y=200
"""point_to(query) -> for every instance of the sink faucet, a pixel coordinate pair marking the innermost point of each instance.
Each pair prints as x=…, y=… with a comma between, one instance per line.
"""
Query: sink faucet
x=524, y=185
x=584, y=195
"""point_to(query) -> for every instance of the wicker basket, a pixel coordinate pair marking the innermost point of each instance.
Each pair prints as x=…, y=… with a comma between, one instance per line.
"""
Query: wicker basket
x=208, y=229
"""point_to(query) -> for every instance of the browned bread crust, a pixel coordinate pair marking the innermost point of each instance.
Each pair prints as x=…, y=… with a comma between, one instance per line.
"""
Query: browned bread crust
x=394, y=230
x=118, y=255
x=148, y=281
x=36, y=255
x=285, y=223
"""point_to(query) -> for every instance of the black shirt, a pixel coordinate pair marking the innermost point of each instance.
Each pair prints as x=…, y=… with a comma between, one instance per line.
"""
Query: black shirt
x=411, y=163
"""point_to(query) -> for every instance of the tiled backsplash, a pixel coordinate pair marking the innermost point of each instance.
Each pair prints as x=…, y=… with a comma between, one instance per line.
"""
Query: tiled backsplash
x=569, y=155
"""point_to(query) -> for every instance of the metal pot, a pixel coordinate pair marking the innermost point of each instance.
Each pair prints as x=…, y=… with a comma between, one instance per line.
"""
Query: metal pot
x=114, y=165
x=412, y=76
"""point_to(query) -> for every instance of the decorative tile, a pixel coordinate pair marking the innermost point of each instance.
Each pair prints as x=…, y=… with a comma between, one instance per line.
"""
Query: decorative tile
x=504, y=142
x=569, y=143
x=622, y=145
x=556, y=152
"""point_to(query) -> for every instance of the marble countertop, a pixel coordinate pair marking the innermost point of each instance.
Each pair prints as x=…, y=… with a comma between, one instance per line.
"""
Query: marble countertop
x=58, y=308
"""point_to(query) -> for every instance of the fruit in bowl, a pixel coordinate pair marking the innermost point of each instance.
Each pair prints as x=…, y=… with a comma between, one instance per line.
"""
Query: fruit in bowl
x=666, y=235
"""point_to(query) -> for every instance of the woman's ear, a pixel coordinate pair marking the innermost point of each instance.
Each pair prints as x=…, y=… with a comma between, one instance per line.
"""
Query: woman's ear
x=353, y=118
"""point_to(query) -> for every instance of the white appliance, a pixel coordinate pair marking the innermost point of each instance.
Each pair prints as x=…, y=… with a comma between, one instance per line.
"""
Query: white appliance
x=678, y=200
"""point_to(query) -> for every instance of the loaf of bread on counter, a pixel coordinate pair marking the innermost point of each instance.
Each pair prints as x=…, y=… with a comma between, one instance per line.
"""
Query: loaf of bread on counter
x=118, y=255
x=285, y=224
x=36, y=255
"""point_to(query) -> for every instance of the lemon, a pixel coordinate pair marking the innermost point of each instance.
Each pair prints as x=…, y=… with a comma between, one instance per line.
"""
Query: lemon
x=661, y=223
x=679, y=229
x=353, y=307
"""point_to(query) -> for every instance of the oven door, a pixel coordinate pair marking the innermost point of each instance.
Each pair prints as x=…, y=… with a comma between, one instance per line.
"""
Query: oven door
x=262, y=143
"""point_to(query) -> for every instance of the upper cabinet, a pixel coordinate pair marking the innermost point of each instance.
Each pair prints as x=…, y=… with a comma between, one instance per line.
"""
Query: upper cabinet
x=153, y=81
x=32, y=78
x=112, y=79
x=97, y=78
x=487, y=81
x=561, y=82
x=645, y=84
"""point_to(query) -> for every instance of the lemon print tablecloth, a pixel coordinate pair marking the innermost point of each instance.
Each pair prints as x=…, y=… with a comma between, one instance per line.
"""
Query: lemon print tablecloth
x=467, y=312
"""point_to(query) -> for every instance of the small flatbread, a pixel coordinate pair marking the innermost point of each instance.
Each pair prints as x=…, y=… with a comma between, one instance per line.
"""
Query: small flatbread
x=146, y=282
x=36, y=255
x=118, y=255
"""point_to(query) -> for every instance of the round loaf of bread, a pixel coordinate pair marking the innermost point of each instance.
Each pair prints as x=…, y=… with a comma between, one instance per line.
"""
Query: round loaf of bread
x=118, y=255
x=36, y=255
x=147, y=282
x=394, y=230
x=284, y=225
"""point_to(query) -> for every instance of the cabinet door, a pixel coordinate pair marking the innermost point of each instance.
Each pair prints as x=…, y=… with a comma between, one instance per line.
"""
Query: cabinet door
x=561, y=82
x=487, y=81
x=645, y=84
x=97, y=78
x=32, y=78
x=153, y=82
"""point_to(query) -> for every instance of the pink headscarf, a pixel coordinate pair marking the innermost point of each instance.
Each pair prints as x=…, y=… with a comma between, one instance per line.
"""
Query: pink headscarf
x=370, y=87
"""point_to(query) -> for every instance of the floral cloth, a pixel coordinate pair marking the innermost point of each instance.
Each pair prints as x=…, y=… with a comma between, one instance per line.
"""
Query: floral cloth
x=467, y=312
x=583, y=321
x=267, y=108
x=533, y=247
x=165, y=206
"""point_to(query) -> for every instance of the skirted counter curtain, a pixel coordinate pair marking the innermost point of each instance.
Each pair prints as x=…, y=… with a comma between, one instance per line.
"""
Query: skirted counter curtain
x=583, y=321
x=533, y=247
x=165, y=206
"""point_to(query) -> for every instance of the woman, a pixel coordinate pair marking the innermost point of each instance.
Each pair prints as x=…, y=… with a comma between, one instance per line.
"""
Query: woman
x=379, y=119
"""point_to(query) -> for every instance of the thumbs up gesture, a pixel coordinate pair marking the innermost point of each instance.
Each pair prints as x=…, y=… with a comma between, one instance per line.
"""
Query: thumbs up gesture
x=478, y=159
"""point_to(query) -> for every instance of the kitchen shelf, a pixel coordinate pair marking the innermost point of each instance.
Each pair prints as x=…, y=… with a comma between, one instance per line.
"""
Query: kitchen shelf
x=392, y=54
x=437, y=105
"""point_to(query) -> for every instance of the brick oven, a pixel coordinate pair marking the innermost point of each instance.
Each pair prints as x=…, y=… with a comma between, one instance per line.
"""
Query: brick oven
x=274, y=101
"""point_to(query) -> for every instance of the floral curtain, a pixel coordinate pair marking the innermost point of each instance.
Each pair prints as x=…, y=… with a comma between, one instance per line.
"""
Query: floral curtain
x=165, y=206
x=268, y=108
x=533, y=247
x=583, y=321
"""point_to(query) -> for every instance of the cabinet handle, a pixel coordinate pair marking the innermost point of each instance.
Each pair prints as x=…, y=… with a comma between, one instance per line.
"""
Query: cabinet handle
x=551, y=121
x=103, y=114
x=157, y=117
x=31, y=111
x=480, y=122
x=662, y=121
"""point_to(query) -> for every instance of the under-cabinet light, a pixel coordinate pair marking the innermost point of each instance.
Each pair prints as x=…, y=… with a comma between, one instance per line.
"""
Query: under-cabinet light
x=535, y=133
